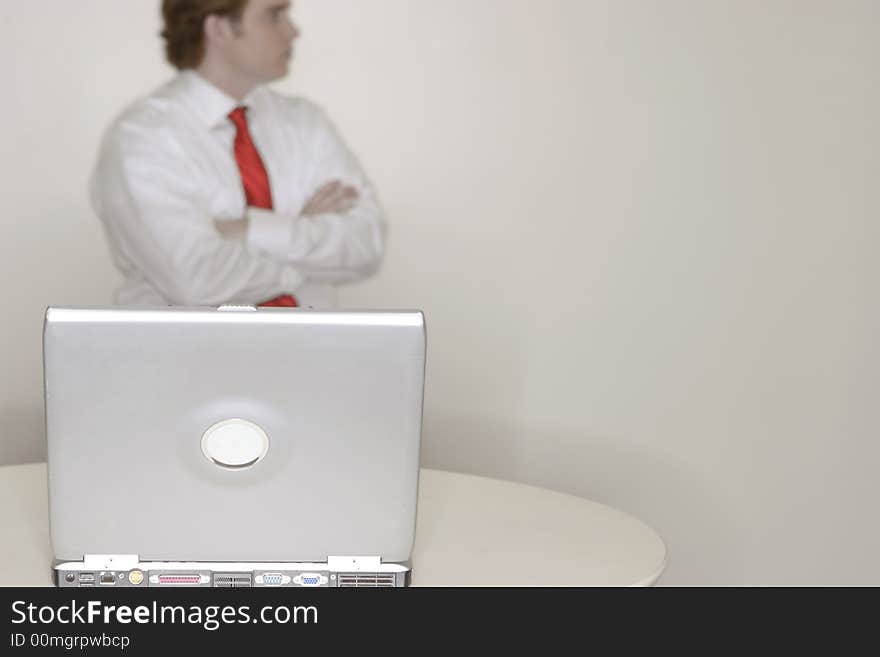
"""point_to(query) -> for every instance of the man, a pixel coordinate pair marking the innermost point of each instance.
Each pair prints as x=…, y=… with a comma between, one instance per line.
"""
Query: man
x=217, y=190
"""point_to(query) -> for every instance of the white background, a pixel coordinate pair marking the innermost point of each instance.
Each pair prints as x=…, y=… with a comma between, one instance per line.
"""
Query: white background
x=643, y=234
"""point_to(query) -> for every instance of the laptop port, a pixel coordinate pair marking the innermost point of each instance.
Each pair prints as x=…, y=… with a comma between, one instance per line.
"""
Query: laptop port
x=310, y=579
x=87, y=578
x=232, y=580
x=179, y=580
x=108, y=579
x=272, y=579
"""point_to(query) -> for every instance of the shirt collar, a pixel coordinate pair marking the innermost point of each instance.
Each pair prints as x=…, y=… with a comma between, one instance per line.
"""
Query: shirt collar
x=211, y=104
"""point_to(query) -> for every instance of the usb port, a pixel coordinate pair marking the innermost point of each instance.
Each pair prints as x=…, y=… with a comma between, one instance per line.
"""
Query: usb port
x=86, y=577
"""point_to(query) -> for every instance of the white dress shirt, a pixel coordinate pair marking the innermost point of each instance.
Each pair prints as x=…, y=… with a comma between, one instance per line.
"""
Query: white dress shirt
x=166, y=170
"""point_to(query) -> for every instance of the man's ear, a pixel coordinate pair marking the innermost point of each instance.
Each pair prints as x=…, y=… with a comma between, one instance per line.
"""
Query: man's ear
x=217, y=29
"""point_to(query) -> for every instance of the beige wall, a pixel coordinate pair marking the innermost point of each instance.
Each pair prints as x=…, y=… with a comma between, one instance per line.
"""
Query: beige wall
x=643, y=234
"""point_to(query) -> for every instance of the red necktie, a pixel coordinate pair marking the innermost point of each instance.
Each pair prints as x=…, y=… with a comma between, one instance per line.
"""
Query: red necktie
x=255, y=181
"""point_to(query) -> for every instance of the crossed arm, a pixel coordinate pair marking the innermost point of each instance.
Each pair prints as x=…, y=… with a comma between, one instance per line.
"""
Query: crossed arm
x=144, y=191
x=332, y=198
x=339, y=234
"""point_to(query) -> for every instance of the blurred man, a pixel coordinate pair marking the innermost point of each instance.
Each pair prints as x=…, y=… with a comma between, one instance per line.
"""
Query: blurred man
x=217, y=190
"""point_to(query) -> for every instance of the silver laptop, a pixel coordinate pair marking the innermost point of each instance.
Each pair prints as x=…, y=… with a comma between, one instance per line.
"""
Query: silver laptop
x=233, y=446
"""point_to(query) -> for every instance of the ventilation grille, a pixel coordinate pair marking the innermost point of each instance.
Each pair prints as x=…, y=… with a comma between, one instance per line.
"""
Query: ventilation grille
x=232, y=580
x=366, y=580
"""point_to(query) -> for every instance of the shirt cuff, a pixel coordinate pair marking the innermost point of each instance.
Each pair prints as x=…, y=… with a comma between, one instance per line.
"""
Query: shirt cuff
x=291, y=280
x=269, y=232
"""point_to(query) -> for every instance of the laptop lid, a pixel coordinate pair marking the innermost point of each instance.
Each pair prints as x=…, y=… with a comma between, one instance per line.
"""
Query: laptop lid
x=233, y=434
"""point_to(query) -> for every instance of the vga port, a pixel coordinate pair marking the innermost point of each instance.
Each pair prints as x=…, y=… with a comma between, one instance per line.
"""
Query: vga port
x=309, y=579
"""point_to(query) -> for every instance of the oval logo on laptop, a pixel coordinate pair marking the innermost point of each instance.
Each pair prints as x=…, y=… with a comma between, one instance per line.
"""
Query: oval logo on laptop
x=235, y=444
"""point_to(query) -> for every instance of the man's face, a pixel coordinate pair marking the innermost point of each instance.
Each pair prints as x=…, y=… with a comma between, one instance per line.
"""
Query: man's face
x=263, y=45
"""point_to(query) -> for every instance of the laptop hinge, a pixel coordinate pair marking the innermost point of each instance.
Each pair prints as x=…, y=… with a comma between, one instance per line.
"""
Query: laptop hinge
x=354, y=564
x=110, y=561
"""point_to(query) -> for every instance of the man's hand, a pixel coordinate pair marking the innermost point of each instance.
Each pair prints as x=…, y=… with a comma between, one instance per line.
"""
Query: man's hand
x=232, y=230
x=333, y=197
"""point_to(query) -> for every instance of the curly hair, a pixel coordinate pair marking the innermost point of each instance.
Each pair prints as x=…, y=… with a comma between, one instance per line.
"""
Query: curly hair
x=184, y=25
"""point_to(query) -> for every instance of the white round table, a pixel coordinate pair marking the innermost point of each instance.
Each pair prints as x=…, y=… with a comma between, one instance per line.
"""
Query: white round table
x=471, y=531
